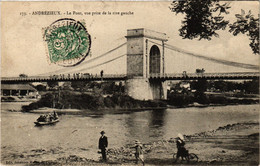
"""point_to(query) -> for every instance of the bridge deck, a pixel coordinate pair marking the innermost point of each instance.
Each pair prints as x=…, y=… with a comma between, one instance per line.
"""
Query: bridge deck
x=118, y=77
x=209, y=76
x=64, y=78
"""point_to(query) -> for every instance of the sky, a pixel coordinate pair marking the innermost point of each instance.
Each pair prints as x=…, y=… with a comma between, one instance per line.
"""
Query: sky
x=23, y=49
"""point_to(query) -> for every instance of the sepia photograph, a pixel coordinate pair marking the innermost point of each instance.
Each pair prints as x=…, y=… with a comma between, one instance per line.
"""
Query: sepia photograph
x=130, y=82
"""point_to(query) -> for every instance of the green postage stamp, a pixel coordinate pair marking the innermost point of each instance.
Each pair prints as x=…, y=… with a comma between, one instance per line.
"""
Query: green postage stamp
x=68, y=42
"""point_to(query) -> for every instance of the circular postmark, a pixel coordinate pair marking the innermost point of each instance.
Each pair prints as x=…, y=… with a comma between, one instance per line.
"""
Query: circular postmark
x=68, y=42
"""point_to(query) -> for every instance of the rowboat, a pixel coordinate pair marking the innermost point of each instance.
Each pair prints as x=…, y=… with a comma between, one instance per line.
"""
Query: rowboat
x=46, y=123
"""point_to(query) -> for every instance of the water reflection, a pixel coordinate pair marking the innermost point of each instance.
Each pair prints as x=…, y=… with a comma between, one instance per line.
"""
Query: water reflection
x=157, y=118
x=136, y=125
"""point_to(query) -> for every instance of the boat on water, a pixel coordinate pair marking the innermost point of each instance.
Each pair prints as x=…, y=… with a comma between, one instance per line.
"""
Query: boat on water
x=46, y=123
x=47, y=119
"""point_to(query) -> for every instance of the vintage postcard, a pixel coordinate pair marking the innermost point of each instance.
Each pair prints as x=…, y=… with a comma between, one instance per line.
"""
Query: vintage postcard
x=130, y=83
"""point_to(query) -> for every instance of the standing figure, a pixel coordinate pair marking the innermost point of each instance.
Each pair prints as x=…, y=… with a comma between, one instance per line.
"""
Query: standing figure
x=101, y=74
x=182, y=152
x=102, y=145
x=55, y=115
x=139, y=153
x=48, y=118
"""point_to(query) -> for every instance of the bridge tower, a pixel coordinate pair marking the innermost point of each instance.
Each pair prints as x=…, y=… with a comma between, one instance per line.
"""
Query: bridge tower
x=145, y=56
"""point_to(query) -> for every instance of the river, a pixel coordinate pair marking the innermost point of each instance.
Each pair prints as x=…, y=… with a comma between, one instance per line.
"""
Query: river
x=78, y=134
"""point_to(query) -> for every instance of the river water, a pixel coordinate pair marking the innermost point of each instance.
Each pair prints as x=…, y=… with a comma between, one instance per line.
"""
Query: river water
x=78, y=134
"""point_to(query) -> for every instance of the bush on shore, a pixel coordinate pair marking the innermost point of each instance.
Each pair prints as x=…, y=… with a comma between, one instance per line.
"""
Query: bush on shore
x=180, y=100
x=83, y=101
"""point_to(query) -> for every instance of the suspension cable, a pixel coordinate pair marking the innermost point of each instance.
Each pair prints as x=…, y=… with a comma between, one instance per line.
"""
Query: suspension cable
x=100, y=64
x=225, y=62
x=86, y=62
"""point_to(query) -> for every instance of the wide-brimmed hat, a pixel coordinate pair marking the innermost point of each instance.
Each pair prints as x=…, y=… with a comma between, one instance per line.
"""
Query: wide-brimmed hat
x=137, y=142
x=180, y=136
x=102, y=132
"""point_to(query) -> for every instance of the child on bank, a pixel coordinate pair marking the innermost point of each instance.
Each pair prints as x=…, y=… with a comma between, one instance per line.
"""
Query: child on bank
x=139, y=153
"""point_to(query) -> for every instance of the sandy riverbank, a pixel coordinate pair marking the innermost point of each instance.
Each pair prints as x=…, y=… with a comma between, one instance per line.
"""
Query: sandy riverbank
x=236, y=144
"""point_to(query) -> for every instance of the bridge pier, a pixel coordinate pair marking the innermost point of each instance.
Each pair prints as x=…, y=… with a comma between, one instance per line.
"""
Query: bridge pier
x=159, y=89
x=144, y=89
x=138, y=88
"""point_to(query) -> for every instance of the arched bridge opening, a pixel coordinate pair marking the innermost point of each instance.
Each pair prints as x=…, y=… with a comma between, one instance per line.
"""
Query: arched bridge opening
x=155, y=60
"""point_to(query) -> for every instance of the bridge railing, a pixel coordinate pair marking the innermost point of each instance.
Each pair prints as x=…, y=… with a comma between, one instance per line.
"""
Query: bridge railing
x=65, y=77
x=183, y=75
x=125, y=76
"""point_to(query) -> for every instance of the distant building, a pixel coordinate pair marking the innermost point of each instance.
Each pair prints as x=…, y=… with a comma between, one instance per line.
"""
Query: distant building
x=18, y=90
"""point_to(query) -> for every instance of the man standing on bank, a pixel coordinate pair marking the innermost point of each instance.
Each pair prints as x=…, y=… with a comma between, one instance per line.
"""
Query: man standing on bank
x=103, y=145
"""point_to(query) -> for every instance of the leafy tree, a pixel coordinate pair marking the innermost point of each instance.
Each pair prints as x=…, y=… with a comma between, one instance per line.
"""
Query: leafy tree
x=121, y=87
x=252, y=86
x=94, y=84
x=40, y=88
x=247, y=24
x=52, y=84
x=221, y=85
x=67, y=86
x=201, y=86
x=78, y=85
x=203, y=18
x=199, y=21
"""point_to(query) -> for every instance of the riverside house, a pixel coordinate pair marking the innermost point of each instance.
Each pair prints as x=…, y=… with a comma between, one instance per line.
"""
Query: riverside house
x=25, y=90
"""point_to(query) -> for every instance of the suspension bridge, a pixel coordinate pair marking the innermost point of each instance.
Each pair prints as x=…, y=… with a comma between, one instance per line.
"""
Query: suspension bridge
x=146, y=70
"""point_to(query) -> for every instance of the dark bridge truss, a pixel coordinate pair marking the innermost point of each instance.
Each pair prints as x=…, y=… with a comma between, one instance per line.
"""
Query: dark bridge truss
x=114, y=77
x=120, y=77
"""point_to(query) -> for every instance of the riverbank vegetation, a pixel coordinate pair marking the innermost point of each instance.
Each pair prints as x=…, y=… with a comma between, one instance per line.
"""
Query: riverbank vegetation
x=111, y=95
x=84, y=101
x=207, y=99
x=207, y=93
